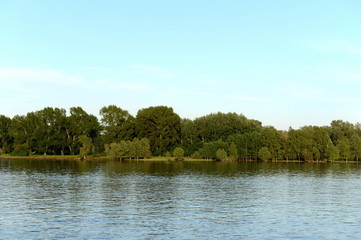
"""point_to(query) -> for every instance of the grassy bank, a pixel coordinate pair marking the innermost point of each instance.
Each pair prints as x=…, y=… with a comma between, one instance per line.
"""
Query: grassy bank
x=91, y=158
x=156, y=158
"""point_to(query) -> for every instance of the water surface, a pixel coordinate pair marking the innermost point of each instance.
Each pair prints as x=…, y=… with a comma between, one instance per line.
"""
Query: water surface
x=52, y=199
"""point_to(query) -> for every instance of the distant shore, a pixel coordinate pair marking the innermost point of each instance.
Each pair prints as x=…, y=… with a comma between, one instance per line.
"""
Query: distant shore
x=186, y=159
x=91, y=158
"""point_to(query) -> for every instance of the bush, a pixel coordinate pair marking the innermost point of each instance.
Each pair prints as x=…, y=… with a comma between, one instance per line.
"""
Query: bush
x=221, y=154
x=196, y=155
x=168, y=154
x=178, y=153
x=21, y=150
x=264, y=154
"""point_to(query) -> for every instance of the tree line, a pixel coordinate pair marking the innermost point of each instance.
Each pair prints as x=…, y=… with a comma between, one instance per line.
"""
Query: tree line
x=159, y=131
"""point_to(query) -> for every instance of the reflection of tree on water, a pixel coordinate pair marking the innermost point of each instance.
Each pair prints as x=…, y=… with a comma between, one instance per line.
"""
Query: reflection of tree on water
x=172, y=168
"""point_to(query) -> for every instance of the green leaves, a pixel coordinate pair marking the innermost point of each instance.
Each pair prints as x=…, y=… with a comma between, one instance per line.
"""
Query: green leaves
x=51, y=131
x=87, y=146
x=128, y=149
x=5, y=138
x=161, y=126
x=117, y=123
x=178, y=153
x=264, y=154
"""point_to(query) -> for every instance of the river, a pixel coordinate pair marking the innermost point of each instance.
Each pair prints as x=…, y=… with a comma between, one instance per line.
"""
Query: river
x=54, y=199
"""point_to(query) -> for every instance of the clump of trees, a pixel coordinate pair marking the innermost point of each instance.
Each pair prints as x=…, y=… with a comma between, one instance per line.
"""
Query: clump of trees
x=128, y=149
x=178, y=153
x=159, y=131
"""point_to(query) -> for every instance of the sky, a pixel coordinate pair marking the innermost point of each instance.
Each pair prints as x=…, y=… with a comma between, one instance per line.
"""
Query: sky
x=284, y=63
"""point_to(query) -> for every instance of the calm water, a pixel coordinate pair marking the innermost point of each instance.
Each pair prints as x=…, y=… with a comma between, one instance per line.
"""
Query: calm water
x=178, y=200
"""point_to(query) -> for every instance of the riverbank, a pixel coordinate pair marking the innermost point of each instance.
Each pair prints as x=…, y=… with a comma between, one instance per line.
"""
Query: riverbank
x=187, y=159
x=91, y=158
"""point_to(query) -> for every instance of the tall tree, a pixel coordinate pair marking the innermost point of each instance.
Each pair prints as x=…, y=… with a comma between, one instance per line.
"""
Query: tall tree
x=274, y=141
x=117, y=123
x=5, y=138
x=53, y=125
x=80, y=123
x=161, y=126
x=343, y=146
x=28, y=133
x=233, y=151
x=87, y=146
x=220, y=125
x=355, y=147
x=189, y=137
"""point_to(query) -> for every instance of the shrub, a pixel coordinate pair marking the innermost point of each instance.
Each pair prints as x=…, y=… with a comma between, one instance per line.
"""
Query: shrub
x=178, y=153
x=221, y=154
x=21, y=150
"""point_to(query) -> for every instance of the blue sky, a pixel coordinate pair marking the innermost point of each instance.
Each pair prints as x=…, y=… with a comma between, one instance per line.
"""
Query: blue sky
x=285, y=63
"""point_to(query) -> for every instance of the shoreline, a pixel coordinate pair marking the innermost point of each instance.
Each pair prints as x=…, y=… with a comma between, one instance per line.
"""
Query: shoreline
x=154, y=159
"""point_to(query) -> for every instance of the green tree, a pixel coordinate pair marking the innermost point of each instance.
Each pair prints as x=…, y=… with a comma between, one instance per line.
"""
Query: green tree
x=233, y=151
x=209, y=149
x=264, y=154
x=87, y=146
x=81, y=123
x=117, y=123
x=220, y=125
x=196, y=155
x=178, y=153
x=113, y=151
x=355, y=146
x=248, y=144
x=294, y=144
x=340, y=129
x=332, y=152
x=190, y=141
x=28, y=130
x=5, y=138
x=274, y=141
x=21, y=150
x=146, y=152
x=221, y=155
x=316, y=155
x=343, y=146
x=161, y=126
x=52, y=130
x=128, y=149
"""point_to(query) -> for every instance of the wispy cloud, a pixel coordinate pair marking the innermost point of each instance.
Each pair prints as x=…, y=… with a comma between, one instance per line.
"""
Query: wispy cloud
x=134, y=87
x=305, y=92
x=11, y=78
x=244, y=98
x=341, y=74
x=212, y=81
x=96, y=68
x=325, y=94
x=152, y=71
x=334, y=46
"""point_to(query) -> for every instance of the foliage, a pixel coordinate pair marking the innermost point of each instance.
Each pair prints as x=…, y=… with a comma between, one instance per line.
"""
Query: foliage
x=233, y=151
x=87, y=146
x=196, y=155
x=160, y=130
x=221, y=155
x=128, y=149
x=161, y=126
x=178, y=153
x=21, y=150
x=80, y=123
x=209, y=149
x=217, y=126
x=117, y=123
x=5, y=137
x=168, y=154
x=264, y=154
